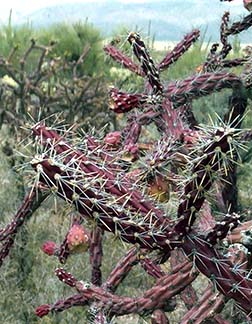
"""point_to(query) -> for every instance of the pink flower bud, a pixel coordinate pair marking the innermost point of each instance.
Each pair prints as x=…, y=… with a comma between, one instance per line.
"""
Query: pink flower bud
x=121, y=102
x=131, y=152
x=42, y=310
x=49, y=247
x=113, y=138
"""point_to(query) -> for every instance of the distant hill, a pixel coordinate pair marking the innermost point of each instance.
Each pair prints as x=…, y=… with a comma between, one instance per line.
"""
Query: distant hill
x=170, y=19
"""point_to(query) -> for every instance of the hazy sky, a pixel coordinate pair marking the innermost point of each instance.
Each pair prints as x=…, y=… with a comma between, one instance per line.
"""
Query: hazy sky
x=23, y=7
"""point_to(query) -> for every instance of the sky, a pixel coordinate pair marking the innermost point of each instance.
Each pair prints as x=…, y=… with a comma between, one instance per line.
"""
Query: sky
x=24, y=7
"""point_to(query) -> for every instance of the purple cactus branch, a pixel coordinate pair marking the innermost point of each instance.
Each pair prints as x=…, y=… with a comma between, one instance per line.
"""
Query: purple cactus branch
x=63, y=252
x=209, y=304
x=233, y=284
x=124, y=60
x=226, y=47
x=146, y=61
x=31, y=203
x=195, y=190
x=221, y=229
x=61, y=305
x=223, y=27
x=179, y=50
x=234, y=62
x=154, y=298
x=95, y=252
x=239, y=26
x=122, y=269
x=6, y=247
x=188, y=295
x=33, y=198
x=123, y=102
x=200, y=85
x=151, y=268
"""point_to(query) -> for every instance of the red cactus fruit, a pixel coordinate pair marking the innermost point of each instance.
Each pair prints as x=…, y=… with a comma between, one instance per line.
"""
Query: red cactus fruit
x=50, y=248
x=130, y=152
x=121, y=102
x=42, y=310
x=113, y=139
x=78, y=239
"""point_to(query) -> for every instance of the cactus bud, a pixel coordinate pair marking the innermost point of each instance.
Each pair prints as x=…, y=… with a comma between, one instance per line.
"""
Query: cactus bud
x=50, y=248
x=131, y=152
x=78, y=239
x=42, y=310
x=113, y=139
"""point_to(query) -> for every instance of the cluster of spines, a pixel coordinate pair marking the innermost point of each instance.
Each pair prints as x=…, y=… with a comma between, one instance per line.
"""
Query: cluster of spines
x=69, y=177
x=116, y=207
x=204, y=86
x=215, y=153
x=220, y=270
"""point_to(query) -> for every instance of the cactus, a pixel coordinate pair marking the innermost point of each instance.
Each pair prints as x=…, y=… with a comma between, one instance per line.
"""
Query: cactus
x=154, y=195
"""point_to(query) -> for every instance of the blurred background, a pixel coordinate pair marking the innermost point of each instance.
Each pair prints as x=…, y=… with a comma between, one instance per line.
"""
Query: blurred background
x=169, y=19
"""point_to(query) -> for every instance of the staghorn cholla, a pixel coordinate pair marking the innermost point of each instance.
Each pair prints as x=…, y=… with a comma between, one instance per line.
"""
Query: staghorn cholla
x=125, y=187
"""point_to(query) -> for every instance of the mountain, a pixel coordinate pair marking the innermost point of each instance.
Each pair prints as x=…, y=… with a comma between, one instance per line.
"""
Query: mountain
x=170, y=19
